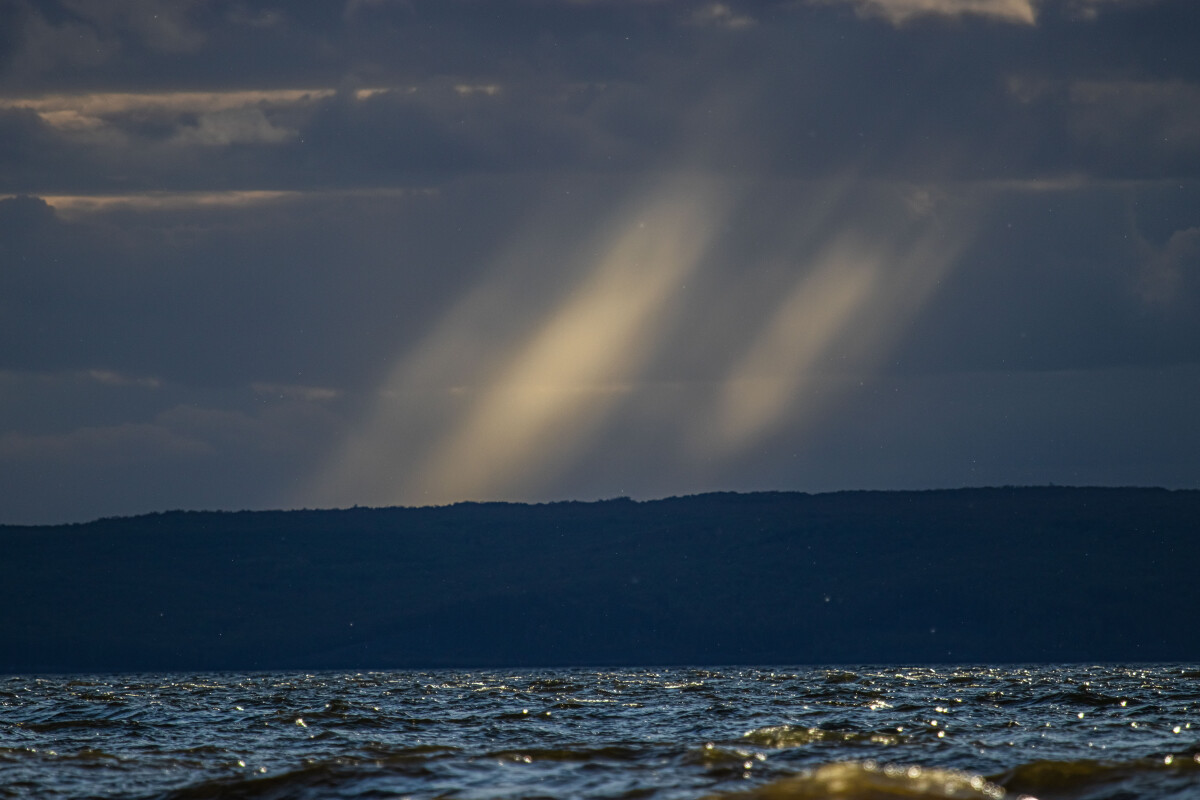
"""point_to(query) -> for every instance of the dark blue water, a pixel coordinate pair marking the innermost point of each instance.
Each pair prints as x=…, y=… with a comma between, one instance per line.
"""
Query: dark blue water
x=1098, y=732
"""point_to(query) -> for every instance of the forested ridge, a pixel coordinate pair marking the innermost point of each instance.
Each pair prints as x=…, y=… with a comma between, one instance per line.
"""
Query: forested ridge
x=968, y=575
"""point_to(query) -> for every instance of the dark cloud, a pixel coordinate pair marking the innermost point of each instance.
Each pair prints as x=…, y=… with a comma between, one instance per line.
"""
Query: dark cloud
x=254, y=254
x=809, y=89
x=242, y=292
x=242, y=451
x=1065, y=280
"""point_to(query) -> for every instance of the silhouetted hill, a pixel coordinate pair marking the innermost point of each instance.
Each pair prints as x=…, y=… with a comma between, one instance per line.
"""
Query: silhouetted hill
x=995, y=575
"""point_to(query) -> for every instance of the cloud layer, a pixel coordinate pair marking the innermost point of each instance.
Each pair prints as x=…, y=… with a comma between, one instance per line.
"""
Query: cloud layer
x=382, y=252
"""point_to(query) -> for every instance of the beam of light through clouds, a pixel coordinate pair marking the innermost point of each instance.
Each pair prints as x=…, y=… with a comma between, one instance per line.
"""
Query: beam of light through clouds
x=419, y=252
x=901, y=11
x=855, y=297
x=527, y=408
x=473, y=415
x=766, y=382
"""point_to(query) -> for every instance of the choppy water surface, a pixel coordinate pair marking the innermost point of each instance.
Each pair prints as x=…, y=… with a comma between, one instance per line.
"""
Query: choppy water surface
x=871, y=732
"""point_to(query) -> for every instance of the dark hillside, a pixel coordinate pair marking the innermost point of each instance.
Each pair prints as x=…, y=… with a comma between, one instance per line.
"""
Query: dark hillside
x=1038, y=574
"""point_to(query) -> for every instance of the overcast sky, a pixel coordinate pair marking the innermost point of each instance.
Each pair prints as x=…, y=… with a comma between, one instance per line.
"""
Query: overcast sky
x=378, y=252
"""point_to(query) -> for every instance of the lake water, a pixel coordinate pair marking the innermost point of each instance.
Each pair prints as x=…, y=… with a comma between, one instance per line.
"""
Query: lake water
x=855, y=732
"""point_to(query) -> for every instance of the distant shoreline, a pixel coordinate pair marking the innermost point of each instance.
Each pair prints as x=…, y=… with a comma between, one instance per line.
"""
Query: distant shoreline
x=989, y=575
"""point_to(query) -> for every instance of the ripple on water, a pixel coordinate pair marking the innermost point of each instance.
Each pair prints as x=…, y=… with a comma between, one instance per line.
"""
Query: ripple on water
x=1084, y=733
x=794, y=736
x=867, y=781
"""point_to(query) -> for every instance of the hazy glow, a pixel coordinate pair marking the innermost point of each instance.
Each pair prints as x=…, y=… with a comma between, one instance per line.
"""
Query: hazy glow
x=516, y=382
x=526, y=408
x=1110, y=112
x=489, y=89
x=237, y=126
x=366, y=94
x=559, y=383
x=852, y=303
x=1162, y=273
x=111, y=378
x=1090, y=9
x=763, y=385
x=312, y=394
x=900, y=11
x=721, y=15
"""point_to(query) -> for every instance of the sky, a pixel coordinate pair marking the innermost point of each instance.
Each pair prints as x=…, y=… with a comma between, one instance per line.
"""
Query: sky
x=377, y=252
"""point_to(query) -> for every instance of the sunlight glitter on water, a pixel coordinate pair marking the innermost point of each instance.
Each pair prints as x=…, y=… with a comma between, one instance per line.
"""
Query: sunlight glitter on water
x=857, y=732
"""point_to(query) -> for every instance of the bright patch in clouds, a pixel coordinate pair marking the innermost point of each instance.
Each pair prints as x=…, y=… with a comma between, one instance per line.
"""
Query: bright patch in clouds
x=901, y=11
x=104, y=104
x=722, y=16
x=200, y=118
x=76, y=205
x=111, y=378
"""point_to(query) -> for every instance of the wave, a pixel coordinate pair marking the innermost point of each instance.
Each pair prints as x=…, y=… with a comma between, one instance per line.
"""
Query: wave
x=851, y=780
x=336, y=777
x=781, y=736
x=1176, y=776
x=1166, y=776
x=1096, y=734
